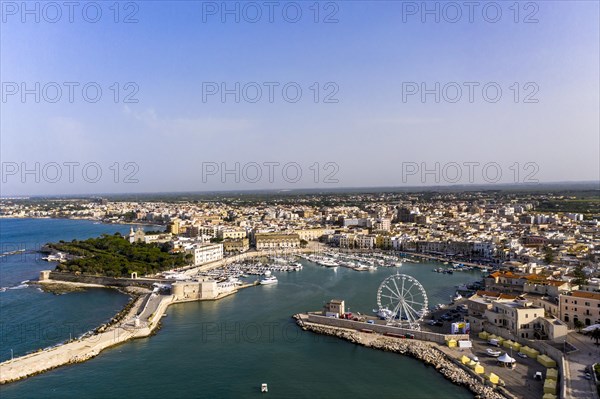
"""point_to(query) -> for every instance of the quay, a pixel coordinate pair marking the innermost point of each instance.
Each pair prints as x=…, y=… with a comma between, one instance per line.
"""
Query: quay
x=424, y=347
x=491, y=380
x=139, y=322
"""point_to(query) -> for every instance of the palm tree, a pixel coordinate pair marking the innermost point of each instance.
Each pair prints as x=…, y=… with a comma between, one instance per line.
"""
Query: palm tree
x=595, y=335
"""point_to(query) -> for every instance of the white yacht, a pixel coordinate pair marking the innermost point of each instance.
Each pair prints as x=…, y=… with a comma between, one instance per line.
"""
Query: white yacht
x=269, y=280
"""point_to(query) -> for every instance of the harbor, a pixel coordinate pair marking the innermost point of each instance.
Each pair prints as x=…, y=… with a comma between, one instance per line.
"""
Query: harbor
x=296, y=286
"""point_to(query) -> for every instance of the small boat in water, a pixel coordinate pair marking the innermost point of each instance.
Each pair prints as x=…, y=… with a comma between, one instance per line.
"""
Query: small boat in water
x=264, y=388
x=269, y=280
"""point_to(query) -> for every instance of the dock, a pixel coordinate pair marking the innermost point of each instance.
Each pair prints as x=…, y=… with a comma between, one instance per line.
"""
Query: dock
x=150, y=309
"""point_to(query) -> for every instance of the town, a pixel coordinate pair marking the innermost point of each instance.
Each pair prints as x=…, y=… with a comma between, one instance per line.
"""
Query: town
x=538, y=252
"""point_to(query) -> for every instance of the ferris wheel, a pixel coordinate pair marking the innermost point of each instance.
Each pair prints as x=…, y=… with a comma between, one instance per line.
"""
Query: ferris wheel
x=402, y=301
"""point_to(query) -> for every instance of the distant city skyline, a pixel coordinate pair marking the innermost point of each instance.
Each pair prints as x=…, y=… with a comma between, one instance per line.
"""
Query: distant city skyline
x=373, y=94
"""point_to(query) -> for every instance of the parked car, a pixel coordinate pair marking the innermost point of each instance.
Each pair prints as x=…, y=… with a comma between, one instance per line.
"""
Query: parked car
x=439, y=323
x=521, y=354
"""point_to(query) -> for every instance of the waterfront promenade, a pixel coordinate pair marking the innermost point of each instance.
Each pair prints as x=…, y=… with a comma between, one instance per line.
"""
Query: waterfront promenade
x=86, y=348
x=139, y=322
x=577, y=386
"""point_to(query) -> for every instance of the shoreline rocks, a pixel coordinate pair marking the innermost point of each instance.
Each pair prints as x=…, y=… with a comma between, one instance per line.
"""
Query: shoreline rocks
x=419, y=350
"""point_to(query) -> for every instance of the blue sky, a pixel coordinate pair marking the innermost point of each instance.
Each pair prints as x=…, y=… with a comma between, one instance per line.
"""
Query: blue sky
x=370, y=57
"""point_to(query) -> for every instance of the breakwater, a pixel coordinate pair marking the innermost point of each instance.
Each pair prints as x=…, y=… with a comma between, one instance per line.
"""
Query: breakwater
x=417, y=349
x=88, y=347
x=138, y=319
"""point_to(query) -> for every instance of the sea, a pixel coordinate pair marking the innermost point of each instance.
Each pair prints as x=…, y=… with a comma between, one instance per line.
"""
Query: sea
x=213, y=349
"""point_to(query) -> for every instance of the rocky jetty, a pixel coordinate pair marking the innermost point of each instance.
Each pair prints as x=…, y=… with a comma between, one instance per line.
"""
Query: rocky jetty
x=420, y=350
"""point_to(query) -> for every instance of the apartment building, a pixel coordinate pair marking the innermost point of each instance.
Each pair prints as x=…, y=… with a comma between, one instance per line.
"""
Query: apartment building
x=518, y=316
x=205, y=253
x=233, y=234
x=580, y=305
x=236, y=245
x=276, y=241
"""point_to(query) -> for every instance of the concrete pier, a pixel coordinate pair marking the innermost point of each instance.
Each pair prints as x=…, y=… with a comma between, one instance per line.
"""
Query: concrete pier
x=141, y=320
x=89, y=347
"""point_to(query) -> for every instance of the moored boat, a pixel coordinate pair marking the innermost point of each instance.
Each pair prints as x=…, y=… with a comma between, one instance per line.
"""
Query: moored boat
x=269, y=280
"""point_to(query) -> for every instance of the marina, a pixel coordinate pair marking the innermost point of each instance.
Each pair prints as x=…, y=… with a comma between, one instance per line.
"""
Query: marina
x=294, y=288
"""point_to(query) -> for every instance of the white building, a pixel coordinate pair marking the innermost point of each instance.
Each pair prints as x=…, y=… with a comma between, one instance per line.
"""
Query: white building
x=205, y=253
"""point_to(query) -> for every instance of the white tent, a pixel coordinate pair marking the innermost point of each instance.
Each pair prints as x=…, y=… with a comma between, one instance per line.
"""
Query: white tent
x=506, y=359
x=590, y=328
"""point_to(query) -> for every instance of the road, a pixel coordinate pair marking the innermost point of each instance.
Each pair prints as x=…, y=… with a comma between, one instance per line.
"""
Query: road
x=577, y=361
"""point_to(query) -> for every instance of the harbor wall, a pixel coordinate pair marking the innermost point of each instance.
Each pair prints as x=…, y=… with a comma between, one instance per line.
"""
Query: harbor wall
x=84, y=348
x=381, y=329
x=420, y=350
x=103, y=280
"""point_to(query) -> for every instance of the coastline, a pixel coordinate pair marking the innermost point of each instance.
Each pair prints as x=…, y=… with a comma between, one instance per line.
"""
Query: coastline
x=91, y=219
x=423, y=351
x=139, y=318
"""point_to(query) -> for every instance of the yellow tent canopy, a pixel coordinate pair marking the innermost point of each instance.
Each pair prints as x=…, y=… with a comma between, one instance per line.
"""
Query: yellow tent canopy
x=494, y=379
x=479, y=369
x=508, y=344
x=552, y=373
x=464, y=359
x=548, y=396
x=550, y=386
x=484, y=335
x=530, y=352
x=546, y=361
x=451, y=343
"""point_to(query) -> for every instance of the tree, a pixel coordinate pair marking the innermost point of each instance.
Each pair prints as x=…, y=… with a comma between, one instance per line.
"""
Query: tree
x=549, y=256
x=578, y=324
x=595, y=335
x=303, y=243
x=580, y=277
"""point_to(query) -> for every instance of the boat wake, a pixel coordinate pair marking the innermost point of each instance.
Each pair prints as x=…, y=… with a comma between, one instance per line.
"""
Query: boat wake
x=16, y=287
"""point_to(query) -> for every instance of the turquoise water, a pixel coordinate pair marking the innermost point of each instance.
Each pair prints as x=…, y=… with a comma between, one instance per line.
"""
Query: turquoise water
x=227, y=348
